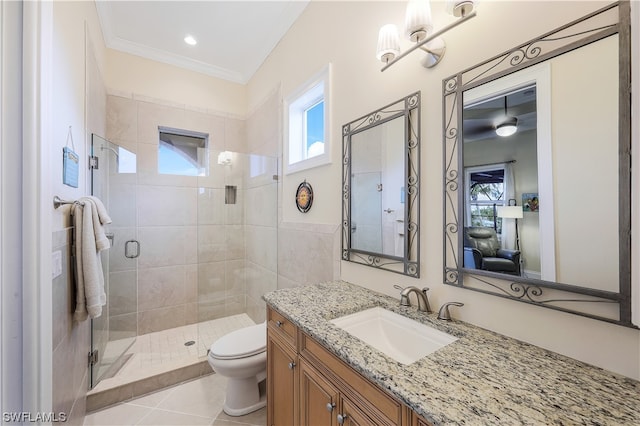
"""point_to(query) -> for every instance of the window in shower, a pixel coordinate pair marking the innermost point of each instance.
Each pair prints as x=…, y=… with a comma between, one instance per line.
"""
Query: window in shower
x=126, y=161
x=182, y=152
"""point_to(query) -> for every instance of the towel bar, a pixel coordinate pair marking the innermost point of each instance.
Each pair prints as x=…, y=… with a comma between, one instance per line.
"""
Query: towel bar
x=57, y=202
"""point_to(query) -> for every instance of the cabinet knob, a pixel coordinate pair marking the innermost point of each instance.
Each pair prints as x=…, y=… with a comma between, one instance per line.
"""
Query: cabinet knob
x=292, y=365
x=330, y=406
x=342, y=418
x=279, y=323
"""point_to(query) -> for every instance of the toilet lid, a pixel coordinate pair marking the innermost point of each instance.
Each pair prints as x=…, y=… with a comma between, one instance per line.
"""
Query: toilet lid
x=241, y=343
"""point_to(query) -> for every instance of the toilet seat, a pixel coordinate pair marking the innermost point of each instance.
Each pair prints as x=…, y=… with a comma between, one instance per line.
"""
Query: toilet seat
x=241, y=343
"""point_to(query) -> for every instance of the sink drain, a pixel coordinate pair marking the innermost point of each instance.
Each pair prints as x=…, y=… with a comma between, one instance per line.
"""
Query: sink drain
x=190, y=343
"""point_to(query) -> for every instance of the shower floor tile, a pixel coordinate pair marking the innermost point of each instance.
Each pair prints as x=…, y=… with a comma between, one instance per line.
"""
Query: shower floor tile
x=163, y=351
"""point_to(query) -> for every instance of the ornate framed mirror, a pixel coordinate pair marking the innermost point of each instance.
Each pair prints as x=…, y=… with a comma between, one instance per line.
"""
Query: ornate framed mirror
x=380, y=188
x=543, y=215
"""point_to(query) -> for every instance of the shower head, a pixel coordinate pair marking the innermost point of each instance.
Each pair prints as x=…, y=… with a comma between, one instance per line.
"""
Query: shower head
x=108, y=148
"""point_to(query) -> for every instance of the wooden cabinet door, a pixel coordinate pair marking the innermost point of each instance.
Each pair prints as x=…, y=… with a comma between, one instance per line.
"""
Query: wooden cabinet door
x=419, y=421
x=351, y=415
x=281, y=383
x=318, y=398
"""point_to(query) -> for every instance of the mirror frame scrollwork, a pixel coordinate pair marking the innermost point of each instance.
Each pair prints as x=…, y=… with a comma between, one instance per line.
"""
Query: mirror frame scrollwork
x=605, y=22
x=408, y=264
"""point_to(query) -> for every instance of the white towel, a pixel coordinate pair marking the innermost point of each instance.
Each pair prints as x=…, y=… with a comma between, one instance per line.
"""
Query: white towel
x=89, y=216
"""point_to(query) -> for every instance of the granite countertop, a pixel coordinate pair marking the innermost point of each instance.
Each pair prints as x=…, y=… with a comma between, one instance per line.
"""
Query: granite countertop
x=482, y=378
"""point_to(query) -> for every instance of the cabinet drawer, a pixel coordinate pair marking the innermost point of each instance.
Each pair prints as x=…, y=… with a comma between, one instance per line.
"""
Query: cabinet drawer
x=374, y=400
x=282, y=326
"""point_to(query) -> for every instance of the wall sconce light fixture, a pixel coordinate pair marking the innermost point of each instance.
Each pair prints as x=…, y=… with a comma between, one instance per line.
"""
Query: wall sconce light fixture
x=419, y=29
x=224, y=158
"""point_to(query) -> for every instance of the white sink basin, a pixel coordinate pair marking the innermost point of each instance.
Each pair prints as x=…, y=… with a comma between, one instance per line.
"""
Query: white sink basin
x=398, y=337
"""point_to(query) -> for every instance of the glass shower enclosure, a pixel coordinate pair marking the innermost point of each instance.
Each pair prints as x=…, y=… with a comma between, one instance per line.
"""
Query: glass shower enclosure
x=113, y=181
x=208, y=252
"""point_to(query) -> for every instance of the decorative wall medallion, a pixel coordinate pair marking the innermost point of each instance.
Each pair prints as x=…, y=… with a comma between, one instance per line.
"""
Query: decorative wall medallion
x=304, y=197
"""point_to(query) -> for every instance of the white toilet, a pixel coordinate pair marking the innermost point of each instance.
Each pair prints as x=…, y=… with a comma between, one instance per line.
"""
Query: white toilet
x=241, y=356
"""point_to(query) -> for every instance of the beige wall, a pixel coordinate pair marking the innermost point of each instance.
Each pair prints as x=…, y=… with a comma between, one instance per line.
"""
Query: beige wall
x=359, y=87
x=128, y=74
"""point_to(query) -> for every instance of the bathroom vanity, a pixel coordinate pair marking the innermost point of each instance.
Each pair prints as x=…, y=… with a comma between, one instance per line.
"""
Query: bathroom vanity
x=318, y=373
x=310, y=385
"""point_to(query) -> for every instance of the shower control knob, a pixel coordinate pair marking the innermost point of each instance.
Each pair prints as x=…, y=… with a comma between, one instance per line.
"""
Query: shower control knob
x=330, y=406
x=292, y=365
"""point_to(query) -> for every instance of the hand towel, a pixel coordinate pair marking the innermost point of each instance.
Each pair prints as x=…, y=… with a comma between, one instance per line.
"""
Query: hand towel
x=99, y=218
x=89, y=217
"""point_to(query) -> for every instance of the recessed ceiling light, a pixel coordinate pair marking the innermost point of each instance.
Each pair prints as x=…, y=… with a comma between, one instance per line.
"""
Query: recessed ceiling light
x=190, y=40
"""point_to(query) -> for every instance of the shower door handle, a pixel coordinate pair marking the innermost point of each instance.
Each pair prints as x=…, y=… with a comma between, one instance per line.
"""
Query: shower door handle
x=127, y=251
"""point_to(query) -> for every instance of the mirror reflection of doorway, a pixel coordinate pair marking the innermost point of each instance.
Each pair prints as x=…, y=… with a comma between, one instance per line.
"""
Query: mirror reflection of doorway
x=366, y=212
x=377, y=182
x=501, y=166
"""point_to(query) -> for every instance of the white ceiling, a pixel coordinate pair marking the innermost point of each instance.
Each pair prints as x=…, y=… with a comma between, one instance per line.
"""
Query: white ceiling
x=234, y=37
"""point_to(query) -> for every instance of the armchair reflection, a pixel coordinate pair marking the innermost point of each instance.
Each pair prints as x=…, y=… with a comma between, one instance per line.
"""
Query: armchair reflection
x=482, y=251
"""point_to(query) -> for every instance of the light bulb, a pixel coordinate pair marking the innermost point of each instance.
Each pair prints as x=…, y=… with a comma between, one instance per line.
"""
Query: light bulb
x=388, y=43
x=417, y=23
x=507, y=127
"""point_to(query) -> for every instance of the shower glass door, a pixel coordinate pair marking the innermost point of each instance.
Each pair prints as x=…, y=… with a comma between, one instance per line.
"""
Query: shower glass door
x=237, y=243
x=113, y=181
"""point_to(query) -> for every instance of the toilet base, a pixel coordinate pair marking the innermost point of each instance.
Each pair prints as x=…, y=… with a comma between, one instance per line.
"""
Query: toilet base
x=244, y=396
x=242, y=411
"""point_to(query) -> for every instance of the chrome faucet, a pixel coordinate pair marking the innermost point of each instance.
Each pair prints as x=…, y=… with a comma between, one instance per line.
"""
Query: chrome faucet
x=423, y=300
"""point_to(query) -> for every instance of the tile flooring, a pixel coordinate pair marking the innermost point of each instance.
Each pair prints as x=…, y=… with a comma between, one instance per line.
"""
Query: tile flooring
x=197, y=402
x=162, y=351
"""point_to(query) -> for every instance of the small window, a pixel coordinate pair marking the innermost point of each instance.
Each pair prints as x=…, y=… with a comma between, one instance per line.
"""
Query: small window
x=485, y=192
x=314, y=130
x=182, y=152
x=306, y=118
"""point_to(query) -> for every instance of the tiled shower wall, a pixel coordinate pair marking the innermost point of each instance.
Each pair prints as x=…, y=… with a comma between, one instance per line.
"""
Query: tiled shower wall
x=193, y=257
x=201, y=259
x=264, y=139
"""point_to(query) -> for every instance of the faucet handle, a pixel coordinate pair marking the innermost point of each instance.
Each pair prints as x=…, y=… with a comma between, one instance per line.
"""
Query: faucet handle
x=444, y=314
x=404, y=297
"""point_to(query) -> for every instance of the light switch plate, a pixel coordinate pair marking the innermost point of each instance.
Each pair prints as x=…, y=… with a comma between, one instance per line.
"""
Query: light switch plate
x=56, y=264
